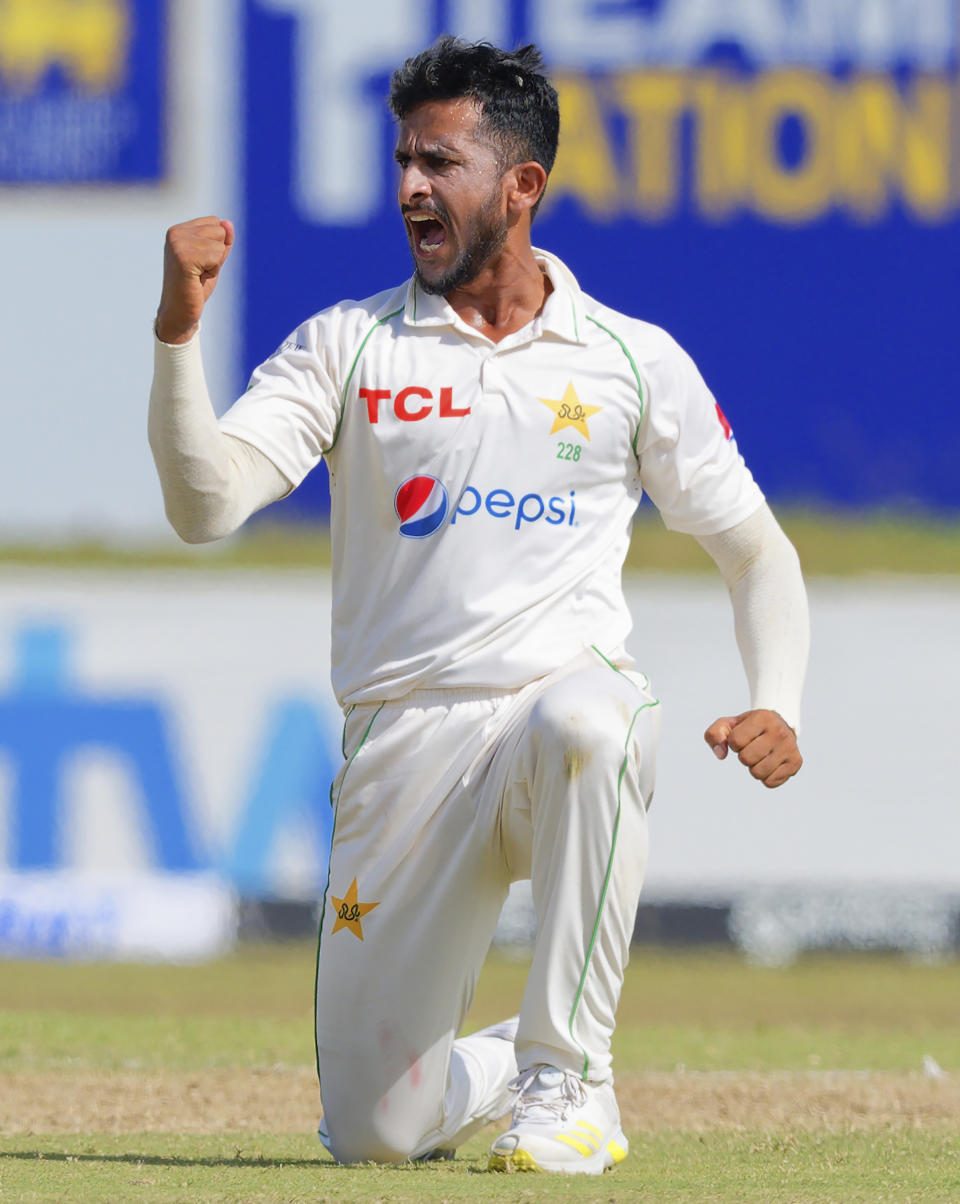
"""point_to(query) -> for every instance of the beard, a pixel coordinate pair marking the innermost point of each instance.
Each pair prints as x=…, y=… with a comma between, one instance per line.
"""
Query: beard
x=483, y=238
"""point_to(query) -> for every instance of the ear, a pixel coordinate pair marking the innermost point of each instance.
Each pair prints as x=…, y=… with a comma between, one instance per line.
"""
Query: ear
x=524, y=186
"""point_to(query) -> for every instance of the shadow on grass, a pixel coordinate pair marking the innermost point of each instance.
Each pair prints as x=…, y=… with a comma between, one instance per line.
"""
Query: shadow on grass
x=237, y=1160
x=160, y=1160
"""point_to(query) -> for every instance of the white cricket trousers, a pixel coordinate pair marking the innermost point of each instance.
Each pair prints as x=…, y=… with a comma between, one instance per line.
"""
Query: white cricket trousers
x=444, y=799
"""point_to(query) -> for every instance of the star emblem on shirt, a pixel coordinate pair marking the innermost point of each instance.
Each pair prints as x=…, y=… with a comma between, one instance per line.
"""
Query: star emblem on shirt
x=570, y=411
x=350, y=911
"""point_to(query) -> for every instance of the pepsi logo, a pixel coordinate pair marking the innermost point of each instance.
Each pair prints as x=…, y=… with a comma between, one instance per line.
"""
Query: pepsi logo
x=421, y=505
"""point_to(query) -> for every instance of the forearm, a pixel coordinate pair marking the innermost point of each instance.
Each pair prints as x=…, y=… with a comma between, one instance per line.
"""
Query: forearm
x=211, y=482
x=762, y=572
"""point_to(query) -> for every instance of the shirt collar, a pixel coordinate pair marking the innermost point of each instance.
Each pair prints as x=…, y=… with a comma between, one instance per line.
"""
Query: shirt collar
x=563, y=312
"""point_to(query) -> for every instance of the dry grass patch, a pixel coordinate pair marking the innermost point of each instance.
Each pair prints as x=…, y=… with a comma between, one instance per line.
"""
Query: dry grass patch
x=722, y=1101
x=286, y=1100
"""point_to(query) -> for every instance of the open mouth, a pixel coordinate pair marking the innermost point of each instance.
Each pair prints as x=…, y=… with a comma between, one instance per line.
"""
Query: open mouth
x=428, y=233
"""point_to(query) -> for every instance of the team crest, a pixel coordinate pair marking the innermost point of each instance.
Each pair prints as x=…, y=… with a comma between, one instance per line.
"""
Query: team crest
x=350, y=911
x=570, y=411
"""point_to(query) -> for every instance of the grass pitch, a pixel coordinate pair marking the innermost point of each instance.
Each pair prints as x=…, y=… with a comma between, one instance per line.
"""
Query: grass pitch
x=736, y=1083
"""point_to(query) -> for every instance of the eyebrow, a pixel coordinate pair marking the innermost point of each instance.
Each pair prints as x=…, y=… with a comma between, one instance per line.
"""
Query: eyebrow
x=430, y=150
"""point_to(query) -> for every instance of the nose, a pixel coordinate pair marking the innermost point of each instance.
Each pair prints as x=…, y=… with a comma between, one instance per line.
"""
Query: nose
x=414, y=185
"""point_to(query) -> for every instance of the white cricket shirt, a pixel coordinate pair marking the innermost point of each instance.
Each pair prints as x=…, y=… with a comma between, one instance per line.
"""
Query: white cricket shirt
x=482, y=492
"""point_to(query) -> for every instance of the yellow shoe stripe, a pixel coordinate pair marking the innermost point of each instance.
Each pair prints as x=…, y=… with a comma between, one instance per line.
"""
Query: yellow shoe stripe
x=617, y=1152
x=519, y=1160
x=580, y=1146
x=594, y=1131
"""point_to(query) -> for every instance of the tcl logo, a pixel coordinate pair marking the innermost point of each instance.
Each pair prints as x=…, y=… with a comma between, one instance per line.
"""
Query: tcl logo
x=412, y=403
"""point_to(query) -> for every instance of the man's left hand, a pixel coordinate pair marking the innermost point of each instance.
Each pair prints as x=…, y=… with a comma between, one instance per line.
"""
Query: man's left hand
x=764, y=742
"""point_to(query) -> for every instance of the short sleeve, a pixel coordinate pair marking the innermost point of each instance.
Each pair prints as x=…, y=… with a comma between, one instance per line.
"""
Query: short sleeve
x=291, y=408
x=689, y=463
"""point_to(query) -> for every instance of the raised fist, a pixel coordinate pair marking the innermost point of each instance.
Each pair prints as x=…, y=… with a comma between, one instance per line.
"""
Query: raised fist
x=193, y=255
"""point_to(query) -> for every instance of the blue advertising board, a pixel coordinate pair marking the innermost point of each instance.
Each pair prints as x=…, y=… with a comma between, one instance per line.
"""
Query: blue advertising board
x=82, y=91
x=773, y=181
x=50, y=720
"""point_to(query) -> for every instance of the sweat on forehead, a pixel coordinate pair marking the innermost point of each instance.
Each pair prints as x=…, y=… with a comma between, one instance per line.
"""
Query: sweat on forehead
x=445, y=126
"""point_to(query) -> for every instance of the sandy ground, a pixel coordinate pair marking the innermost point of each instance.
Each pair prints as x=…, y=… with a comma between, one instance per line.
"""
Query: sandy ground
x=287, y=1101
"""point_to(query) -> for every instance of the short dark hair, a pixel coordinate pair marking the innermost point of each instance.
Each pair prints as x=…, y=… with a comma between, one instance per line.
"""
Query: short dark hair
x=519, y=110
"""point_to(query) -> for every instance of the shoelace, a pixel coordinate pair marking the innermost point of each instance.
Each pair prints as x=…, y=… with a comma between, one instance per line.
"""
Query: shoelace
x=567, y=1094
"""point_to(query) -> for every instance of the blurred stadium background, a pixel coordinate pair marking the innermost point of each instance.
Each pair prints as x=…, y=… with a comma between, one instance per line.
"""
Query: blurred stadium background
x=777, y=182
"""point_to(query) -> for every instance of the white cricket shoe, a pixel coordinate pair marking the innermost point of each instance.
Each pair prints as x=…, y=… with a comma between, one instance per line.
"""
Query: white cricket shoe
x=560, y=1124
x=503, y=1030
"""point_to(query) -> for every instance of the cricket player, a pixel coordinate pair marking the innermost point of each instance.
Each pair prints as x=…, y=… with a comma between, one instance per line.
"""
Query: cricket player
x=489, y=430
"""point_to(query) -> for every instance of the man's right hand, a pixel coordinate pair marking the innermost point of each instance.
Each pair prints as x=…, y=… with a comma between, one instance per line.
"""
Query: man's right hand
x=193, y=255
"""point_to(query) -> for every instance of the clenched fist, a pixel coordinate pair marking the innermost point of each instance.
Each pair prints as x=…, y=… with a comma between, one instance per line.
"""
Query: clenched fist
x=764, y=742
x=193, y=255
